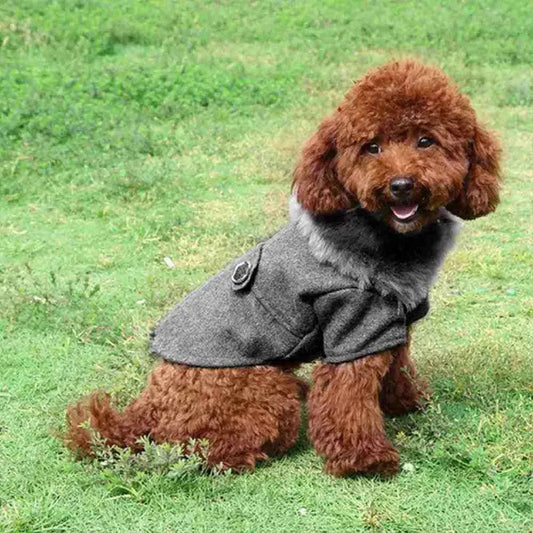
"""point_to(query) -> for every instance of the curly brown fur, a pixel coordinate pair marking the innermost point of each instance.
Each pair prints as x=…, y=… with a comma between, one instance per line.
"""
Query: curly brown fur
x=247, y=414
x=402, y=391
x=345, y=420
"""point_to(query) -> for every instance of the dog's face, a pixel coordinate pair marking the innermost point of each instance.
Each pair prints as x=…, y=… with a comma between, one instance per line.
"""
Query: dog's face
x=402, y=144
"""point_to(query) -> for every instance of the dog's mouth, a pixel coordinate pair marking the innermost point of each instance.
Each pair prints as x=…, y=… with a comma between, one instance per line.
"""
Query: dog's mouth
x=404, y=213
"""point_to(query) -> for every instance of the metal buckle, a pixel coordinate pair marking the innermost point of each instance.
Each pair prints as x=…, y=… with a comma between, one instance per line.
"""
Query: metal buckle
x=241, y=272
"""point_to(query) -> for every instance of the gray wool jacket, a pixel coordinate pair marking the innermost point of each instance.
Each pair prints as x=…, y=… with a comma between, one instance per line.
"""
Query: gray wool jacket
x=336, y=287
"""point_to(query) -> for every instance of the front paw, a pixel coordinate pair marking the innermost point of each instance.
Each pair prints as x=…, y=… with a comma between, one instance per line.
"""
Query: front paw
x=382, y=459
x=404, y=398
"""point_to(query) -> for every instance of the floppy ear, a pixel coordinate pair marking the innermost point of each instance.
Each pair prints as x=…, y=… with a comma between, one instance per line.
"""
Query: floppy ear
x=315, y=178
x=480, y=194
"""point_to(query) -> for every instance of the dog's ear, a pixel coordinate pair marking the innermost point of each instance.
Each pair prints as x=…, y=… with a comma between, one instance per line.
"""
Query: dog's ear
x=317, y=186
x=480, y=193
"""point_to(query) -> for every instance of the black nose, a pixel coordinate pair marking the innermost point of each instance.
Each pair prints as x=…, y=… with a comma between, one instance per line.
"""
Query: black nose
x=401, y=188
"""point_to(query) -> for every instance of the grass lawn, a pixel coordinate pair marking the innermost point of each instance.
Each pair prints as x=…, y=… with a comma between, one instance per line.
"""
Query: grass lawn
x=133, y=130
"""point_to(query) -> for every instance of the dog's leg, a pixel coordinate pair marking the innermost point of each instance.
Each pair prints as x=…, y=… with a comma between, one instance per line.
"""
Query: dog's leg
x=252, y=414
x=402, y=392
x=345, y=420
x=246, y=414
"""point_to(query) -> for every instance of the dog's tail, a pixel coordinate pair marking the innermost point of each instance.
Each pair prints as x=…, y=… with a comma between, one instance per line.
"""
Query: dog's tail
x=96, y=414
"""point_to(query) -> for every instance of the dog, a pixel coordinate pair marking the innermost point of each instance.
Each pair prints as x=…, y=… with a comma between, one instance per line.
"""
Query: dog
x=377, y=194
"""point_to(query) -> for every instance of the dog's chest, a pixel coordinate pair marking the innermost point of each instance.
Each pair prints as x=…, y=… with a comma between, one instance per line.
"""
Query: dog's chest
x=405, y=268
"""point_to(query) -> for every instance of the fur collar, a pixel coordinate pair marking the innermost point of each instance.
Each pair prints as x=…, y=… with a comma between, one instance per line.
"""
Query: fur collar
x=404, y=266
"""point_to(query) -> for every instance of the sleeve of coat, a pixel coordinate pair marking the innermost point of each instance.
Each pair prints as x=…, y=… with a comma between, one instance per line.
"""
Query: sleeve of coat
x=356, y=323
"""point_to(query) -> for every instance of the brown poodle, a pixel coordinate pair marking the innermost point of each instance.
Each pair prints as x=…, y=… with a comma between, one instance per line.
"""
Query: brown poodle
x=375, y=192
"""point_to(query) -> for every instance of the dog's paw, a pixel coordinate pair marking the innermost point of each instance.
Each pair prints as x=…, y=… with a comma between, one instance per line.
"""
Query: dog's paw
x=404, y=405
x=413, y=396
x=383, y=460
x=239, y=462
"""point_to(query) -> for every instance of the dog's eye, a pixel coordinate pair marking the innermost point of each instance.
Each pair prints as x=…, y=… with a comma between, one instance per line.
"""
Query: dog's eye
x=425, y=142
x=371, y=148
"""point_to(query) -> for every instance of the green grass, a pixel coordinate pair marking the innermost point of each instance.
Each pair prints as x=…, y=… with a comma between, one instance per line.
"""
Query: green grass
x=135, y=130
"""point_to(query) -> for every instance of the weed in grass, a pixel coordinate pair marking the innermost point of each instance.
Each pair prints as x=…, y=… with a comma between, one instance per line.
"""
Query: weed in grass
x=171, y=460
x=136, y=475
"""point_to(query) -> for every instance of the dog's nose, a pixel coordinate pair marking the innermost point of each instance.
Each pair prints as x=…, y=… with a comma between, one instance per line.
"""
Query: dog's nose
x=401, y=187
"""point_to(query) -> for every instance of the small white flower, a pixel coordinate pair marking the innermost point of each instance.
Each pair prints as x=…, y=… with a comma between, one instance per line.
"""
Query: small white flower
x=302, y=511
x=408, y=467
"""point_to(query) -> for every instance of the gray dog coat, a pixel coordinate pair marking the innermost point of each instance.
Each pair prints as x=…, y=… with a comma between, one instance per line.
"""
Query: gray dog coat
x=336, y=287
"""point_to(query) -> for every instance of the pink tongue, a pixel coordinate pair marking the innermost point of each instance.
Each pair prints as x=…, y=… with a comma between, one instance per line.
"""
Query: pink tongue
x=404, y=211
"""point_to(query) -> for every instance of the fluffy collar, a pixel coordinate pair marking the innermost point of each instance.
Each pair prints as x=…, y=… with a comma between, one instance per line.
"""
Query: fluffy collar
x=358, y=246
